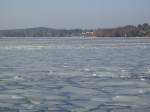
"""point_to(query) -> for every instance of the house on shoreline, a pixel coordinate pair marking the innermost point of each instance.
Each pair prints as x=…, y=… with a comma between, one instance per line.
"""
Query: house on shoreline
x=88, y=34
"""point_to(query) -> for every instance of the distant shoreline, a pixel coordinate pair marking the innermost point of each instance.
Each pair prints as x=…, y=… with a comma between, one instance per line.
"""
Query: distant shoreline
x=126, y=31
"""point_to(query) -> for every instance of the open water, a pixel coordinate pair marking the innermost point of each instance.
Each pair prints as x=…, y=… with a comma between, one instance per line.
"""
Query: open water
x=74, y=74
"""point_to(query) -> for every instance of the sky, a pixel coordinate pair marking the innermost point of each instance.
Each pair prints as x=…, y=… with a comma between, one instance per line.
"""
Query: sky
x=86, y=14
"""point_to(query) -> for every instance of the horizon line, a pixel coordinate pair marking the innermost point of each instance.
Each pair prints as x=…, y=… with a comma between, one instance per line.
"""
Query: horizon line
x=23, y=28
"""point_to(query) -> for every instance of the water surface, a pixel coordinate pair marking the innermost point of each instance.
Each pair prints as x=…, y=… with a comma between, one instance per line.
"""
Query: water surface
x=74, y=74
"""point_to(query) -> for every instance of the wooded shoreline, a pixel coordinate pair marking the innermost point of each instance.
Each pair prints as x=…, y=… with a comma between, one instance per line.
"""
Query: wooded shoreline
x=126, y=31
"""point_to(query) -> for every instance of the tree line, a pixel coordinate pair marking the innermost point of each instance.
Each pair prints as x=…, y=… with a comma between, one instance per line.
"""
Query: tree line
x=126, y=31
x=141, y=30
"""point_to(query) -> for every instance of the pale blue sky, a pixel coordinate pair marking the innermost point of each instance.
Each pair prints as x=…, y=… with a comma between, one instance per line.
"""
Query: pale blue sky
x=73, y=13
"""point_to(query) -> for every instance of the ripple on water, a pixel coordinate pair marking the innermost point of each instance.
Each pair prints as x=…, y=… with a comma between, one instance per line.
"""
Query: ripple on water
x=74, y=75
x=135, y=101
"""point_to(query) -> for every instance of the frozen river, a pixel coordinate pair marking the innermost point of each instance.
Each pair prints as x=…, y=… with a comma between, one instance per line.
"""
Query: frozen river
x=74, y=74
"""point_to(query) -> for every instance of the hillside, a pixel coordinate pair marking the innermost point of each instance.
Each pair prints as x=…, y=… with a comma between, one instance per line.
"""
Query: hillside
x=40, y=32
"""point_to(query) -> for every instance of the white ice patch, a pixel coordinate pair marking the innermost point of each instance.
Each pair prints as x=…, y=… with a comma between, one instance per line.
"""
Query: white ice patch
x=94, y=75
x=18, y=78
x=16, y=97
x=87, y=69
x=23, y=47
x=142, y=79
x=133, y=100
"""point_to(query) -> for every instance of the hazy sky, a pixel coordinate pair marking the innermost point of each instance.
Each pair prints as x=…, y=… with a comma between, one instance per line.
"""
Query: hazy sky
x=73, y=13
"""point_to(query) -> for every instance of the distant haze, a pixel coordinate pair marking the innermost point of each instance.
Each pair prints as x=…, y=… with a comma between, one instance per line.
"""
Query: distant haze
x=73, y=13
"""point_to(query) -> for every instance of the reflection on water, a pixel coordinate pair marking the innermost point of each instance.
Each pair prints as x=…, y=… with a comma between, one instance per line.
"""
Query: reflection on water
x=74, y=75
